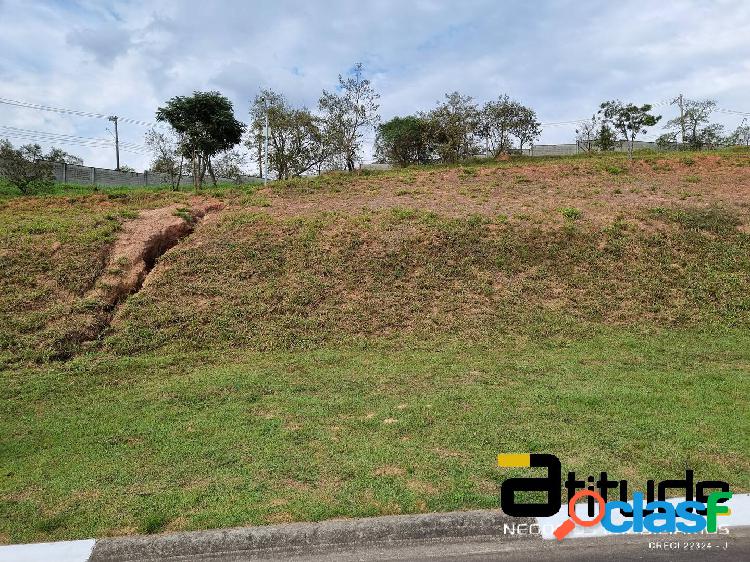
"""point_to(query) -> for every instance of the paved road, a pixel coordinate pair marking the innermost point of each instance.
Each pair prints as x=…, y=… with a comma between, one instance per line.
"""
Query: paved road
x=723, y=549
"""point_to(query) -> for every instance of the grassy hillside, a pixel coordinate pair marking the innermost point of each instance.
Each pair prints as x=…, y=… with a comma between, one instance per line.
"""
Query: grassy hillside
x=52, y=251
x=260, y=282
x=366, y=344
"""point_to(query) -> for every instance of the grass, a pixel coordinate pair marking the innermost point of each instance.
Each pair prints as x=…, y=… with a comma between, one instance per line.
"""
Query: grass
x=106, y=445
x=715, y=219
x=269, y=283
x=571, y=213
x=52, y=250
x=71, y=189
x=614, y=163
x=320, y=349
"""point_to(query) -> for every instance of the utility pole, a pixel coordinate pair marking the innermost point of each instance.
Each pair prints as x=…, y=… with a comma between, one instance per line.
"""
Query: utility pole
x=265, y=155
x=680, y=103
x=113, y=118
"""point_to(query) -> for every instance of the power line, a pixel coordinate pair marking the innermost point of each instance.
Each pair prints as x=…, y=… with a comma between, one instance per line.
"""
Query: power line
x=723, y=110
x=66, y=111
x=560, y=123
x=16, y=131
x=732, y=111
x=90, y=142
x=67, y=136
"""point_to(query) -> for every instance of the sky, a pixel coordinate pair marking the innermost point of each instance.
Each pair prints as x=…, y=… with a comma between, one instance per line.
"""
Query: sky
x=562, y=58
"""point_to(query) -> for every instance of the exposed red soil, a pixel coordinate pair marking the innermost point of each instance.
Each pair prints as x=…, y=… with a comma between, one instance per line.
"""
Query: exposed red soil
x=140, y=244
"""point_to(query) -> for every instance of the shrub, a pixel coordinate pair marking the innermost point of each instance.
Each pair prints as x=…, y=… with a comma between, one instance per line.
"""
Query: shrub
x=571, y=213
x=23, y=170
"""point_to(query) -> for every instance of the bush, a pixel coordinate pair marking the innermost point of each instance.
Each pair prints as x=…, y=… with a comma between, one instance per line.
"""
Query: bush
x=22, y=170
x=614, y=170
x=571, y=213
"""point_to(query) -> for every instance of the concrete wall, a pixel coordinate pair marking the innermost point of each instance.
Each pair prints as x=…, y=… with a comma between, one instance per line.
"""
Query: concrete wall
x=573, y=148
x=85, y=175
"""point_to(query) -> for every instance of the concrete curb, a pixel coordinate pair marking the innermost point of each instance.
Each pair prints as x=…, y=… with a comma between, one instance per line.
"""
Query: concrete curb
x=312, y=536
x=435, y=532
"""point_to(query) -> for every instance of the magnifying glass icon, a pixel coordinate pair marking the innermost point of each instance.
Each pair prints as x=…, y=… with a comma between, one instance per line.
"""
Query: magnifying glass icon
x=569, y=524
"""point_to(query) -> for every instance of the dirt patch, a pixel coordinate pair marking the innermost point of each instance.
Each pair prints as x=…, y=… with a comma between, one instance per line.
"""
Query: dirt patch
x=142, y=241
x=389, y=470
x=535, y=192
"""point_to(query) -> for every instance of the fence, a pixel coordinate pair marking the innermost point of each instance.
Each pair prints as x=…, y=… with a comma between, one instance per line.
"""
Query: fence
x=86, y=175
x=577, y=148
x=554, y=150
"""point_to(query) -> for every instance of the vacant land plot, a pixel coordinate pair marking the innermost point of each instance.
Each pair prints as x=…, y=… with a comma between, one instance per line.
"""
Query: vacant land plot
x=362, y=345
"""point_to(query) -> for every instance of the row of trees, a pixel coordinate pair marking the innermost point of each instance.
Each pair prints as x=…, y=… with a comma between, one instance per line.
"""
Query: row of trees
x=692, y=129
x=456, y=129
x=615, y=118
x=204, y=132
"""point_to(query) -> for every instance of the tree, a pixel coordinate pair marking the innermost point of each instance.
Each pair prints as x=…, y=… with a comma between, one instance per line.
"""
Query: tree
x=526, y=127
x=206, y=126
x=711, y=135
x=452, y=127
x=230, y=165
x=586, y=134
x=403, y=141
x=693, y=122
x=496, y=124
x=629, y=120
x=295, y=143
x=606, y=138
x=347, y=114
x=126, y=168
x=502, y=120
x=667, y=140
x=62, y=157
x=24, y=168
x=740, y=136
x=169, y=157
x=34, y=152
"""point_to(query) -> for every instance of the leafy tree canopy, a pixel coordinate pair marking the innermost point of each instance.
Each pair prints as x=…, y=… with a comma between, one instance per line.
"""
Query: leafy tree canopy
x=403, y=141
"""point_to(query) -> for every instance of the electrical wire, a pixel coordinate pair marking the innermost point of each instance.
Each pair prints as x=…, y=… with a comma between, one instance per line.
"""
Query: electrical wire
x=90, y=142
x=62, y=110
x=67, y=136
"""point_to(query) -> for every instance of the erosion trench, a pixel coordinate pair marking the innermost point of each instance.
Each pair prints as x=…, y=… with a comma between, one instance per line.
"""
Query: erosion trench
x=142, y=241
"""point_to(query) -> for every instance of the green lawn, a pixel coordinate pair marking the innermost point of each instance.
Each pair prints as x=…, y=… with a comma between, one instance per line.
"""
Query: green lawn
x=107, y=445
x=329, y=347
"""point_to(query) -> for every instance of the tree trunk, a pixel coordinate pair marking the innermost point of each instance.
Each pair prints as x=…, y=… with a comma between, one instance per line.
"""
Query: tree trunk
x=211, y=171
x=202, y=170
x=195, y=171
x=260, y=157
x=179, y=174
